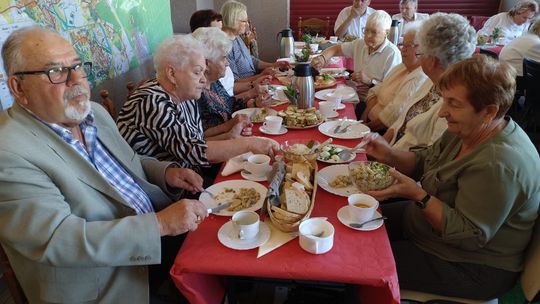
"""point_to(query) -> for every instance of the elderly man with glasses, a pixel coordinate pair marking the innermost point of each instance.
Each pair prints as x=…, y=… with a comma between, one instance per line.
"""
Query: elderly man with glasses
x=82, y=215
x=352, y=19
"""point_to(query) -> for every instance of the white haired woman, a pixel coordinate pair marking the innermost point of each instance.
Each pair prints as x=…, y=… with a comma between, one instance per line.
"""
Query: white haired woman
x=511, y=24
x=464, y=230
x=161, y=118
x=418, y=125
x=242, y=63
x=216, y=105
x=374, y=56
x=387, y=100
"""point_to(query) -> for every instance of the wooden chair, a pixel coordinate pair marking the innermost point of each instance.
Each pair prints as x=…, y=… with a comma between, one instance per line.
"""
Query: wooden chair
x=107, y=103
x=130, y=86
x=314, y=26
x=13, y=284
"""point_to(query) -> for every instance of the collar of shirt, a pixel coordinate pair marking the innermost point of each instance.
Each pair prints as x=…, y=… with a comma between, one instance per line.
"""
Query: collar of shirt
x=88, y=128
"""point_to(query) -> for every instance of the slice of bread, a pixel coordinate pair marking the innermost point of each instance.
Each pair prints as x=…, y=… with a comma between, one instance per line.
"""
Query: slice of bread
x=297, y=201
x=301, y=167
x=301, y=178
x=284, y=215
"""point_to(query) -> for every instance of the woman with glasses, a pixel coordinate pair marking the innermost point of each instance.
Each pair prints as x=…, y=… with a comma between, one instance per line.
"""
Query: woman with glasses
x=443, y=39
x=465, y=227
x=244, y=66
x=374, y=56
x=511, y=24
x=387, y=100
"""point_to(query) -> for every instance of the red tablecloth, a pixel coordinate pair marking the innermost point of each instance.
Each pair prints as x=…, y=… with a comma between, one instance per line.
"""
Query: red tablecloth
x=357, y=257
x=495, y=48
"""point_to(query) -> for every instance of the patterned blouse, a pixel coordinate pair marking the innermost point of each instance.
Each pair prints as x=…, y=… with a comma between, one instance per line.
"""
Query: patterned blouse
x=421, y=106
x=216, y=105
x=240, y=60
x=156, y=126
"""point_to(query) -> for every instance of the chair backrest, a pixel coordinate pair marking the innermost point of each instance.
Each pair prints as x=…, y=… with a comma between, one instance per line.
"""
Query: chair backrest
x=107, y=103
x=314, y=26
x=13, y=284
x=530, y=277
x=531, y=72
x=478, y=22
x=489, y=53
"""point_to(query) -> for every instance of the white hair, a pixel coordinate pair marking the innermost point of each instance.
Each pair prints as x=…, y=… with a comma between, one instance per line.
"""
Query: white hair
x=448, y=37
x=380, y=19
x=177, y=50
x=535, y=27
x=215, y=41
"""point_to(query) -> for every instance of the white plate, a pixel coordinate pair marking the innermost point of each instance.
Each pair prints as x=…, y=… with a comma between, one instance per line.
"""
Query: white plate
x=354, y=132
x=327, y=174
x=230, y=239
x=253, y=111
x=249, y=176
x=335, y=72
x=235, y=184
x=340, y=107
x=333, y=115
x=340, y=161
x=282, y=131
x=341, y=92
x=343, y=216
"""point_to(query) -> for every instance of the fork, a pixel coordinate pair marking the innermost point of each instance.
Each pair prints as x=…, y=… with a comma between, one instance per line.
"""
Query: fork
x=340, y=124
x=346, y=128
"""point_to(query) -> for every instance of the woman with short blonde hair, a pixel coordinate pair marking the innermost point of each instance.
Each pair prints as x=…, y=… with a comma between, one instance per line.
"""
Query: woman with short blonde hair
x=511, y=24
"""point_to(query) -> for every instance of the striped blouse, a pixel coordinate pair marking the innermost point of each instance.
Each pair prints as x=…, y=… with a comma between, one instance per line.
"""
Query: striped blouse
x=241, y=62
x=156, y=126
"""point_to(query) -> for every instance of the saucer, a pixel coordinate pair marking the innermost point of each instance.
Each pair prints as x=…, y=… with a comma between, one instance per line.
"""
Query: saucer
x=340, y=107
x=229, y=239
x=249, y=176
x=282, y=131
x=343, y=216
x=335, y=114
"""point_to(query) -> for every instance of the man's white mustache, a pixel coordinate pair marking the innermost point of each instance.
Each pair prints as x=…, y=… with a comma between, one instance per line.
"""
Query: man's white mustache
x=76, y=91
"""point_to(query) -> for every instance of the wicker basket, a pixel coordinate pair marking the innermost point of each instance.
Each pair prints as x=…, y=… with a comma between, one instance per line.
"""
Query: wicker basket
x=293, y=226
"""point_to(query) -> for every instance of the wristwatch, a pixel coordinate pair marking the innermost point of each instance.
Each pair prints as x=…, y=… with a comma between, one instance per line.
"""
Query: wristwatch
x=423, y=202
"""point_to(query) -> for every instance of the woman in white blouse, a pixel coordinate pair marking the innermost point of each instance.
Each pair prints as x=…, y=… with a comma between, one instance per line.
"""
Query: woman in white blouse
x=526, y=46
x=511, y=24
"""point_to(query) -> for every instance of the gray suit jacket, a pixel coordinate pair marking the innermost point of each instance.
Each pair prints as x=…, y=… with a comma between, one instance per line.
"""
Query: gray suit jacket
x=69, y=235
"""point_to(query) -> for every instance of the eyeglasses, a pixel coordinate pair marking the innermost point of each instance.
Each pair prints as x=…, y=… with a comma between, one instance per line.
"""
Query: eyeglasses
x=59, y=75
x=370, y=32
x=410, y=45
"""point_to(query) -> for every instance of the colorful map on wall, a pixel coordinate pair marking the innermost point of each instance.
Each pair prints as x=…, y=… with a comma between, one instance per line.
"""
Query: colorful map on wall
x=116, y=35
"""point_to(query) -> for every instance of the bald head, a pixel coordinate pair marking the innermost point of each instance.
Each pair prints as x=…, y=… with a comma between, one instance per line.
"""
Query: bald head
x=33, y=39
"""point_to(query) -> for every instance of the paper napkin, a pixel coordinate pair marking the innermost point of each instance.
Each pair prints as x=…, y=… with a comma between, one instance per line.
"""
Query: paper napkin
x=277, y=239
x=235, y=164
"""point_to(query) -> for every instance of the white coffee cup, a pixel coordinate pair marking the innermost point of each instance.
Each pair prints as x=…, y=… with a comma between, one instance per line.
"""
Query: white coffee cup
x=245, y=224
x=272, y=123
x=314, y=47
x=257, y=164
x=333, y=39
x=316, y=235
x=362, y=207
x=328, y=108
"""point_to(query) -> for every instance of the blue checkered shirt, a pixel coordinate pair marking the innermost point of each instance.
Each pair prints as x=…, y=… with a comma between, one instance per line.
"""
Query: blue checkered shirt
x=106, y=165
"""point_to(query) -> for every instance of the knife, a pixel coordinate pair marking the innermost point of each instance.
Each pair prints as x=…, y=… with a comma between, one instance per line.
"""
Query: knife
x=219, y=208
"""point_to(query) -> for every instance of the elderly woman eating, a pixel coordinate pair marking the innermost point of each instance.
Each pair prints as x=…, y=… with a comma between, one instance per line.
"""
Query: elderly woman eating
x=511, y=24
x=385, y=101
x=242, y=63
x=216, y=105
x=374, y=56
x=473, y=216
x=161, y=118
x=418, y=124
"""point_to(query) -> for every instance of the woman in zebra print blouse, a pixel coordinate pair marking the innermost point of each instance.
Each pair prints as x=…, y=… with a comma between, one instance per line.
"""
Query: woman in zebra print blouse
x=161, y=118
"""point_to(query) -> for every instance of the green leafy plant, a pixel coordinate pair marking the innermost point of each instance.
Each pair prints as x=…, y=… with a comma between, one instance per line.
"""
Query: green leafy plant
x=307, y=39
x=327, y=77
x=290, y=92
x=496, y=33
x=304, y=56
